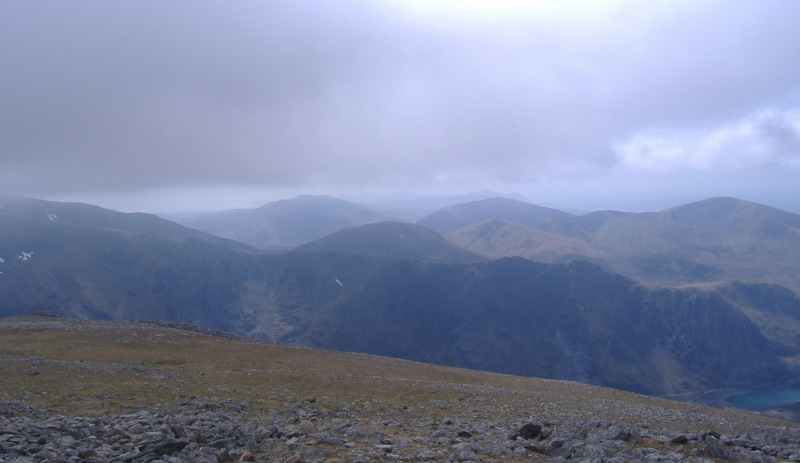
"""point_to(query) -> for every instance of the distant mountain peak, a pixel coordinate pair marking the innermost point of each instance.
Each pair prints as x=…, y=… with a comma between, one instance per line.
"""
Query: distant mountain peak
x=461, y=215
x=66, y=213
x=287, y=223
x=393, y=239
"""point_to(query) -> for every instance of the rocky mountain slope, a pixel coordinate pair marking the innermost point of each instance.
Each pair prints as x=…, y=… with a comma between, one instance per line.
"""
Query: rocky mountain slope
x=718, y=239
x=175, y=394
x=570, y=321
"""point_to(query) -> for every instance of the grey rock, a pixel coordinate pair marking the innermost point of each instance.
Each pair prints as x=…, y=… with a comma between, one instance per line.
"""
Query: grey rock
x=679, y=440
x=527, y=431
x=467, y=455
x=715, y=448
x=216, y=431
x=757, y=456
x=325, y=438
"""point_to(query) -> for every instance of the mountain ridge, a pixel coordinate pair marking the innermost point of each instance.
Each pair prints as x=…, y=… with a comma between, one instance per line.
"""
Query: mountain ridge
x=41, y=211
x=570, y=320
x=393, y=239
x=458, y=216
x=287, y=223
x=710, y=240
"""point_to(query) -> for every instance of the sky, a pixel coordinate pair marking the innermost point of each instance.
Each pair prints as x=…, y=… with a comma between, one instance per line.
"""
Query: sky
x=585, y=105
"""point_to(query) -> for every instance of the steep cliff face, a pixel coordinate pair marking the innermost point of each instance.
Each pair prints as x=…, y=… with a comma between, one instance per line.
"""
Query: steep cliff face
x=711, y=340
x=569, y=321
x=774, y=309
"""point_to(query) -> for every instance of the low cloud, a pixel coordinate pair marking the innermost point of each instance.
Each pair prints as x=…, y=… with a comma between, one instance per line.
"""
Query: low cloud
x=764, y=139
x=114, y=97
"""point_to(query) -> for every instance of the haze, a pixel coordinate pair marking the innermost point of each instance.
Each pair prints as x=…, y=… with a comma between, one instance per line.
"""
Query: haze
x=165, y=106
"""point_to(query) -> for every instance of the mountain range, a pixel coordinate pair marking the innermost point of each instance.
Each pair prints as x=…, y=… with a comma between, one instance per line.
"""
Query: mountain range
x=288, y=223
x=400, y=290
x=718, y=239
x=393, y=240
x=458, y=216
x=33, y=213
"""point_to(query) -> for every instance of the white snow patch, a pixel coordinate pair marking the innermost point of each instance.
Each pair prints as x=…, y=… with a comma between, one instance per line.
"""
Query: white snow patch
x=340, y=283
x=25, y=255
x=51, y=216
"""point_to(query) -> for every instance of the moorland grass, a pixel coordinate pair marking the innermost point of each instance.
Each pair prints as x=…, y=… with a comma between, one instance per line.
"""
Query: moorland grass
x=119, y=367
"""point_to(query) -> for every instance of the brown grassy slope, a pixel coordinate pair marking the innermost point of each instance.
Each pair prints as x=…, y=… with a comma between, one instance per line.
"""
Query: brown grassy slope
x=76, y=366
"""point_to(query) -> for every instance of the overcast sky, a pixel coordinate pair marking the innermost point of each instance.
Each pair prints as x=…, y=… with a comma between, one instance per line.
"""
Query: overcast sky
x=619, y=104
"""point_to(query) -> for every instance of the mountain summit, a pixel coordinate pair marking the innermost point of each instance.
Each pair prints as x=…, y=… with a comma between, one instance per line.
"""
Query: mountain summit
x=27, y=211
x=461, y=215
x=717, y=239
x=288, y=223
x=395, y=240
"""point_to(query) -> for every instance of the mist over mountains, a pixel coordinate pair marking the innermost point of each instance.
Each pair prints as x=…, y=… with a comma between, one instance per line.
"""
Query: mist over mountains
x=287, y=223
x=400, y=289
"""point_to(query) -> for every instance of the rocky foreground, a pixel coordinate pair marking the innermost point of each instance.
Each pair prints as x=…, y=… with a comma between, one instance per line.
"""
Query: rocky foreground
x=217, y=432
x=271, y=418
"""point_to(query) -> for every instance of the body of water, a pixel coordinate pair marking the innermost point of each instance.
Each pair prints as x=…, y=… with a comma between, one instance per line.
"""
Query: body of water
x=764, y=399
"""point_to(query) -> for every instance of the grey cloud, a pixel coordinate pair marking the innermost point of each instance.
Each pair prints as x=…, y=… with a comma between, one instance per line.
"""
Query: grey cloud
x=782, y=133
x=765, y=138
x=126, y=95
